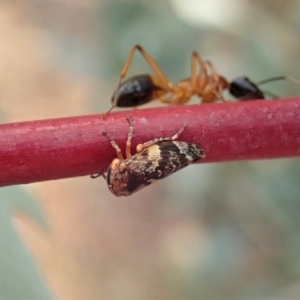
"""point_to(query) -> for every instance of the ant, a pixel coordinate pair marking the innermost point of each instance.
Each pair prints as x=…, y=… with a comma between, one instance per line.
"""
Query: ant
x=204, y=82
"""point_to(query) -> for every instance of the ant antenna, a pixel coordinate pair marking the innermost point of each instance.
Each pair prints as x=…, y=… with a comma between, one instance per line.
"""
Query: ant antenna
x=288, y=78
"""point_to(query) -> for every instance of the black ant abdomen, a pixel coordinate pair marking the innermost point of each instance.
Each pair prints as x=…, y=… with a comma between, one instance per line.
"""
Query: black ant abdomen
x=137, y=90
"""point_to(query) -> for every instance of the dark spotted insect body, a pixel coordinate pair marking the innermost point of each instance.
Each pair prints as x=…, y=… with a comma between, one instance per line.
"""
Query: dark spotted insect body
x=153, y=163
x=154, y=160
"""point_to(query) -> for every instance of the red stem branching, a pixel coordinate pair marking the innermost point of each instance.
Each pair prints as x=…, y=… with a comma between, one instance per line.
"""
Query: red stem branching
x=68, y=147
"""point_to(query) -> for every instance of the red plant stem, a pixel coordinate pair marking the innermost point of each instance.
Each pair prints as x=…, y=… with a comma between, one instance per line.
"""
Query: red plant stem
x=69, y=147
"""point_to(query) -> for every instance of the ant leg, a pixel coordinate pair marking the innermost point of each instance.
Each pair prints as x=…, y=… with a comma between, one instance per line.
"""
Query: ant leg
x=164, y=82
x=200, y=79
x=130, y=133
x=114, y=144
x=140, y=147
x=162, y=78
x=219, y=83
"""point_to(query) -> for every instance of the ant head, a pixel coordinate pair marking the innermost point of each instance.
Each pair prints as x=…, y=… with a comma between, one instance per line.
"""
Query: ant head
x=244, y=89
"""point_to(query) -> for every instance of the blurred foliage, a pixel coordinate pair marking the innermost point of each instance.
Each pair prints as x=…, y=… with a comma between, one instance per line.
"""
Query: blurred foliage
x=215, y=231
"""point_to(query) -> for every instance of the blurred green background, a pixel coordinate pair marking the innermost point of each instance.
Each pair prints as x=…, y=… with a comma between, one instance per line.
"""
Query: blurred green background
x=213, y=231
